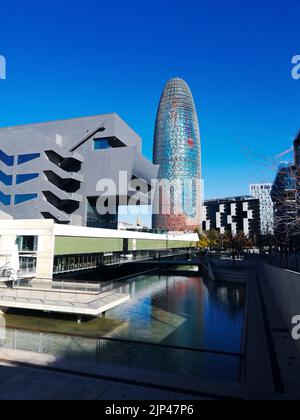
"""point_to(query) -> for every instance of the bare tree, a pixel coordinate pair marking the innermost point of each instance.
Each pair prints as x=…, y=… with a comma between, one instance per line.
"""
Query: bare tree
x=235, y=244
x=286, y=197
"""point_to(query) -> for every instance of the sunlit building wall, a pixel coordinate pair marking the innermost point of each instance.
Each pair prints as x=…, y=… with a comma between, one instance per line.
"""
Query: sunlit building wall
x=232, y=215
x=263, y=193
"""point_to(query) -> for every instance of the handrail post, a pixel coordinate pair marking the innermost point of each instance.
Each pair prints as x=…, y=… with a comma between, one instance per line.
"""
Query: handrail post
x=41, y=344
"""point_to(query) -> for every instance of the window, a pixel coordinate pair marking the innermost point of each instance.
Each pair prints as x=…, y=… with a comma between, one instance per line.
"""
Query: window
x=95, y=220
x=101, y=144
x=22, y=198
x=5, y=199
x=26, y=177
x=7, y=160
x=6, y=179
x=27, y=243
x=27, y=265
x=27, y=158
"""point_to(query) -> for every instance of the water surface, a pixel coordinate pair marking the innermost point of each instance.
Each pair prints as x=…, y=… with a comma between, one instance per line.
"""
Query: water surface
x=178, y=308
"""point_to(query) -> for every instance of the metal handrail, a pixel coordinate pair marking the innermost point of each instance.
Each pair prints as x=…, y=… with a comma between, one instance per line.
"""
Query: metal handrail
x=172, y=347
x=141, y=343
x=120, y=352
x=10, y=271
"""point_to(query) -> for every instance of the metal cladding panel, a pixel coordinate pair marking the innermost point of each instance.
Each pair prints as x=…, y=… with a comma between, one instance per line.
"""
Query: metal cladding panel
x=72, y=246
x=177, y=150
x=161, y=245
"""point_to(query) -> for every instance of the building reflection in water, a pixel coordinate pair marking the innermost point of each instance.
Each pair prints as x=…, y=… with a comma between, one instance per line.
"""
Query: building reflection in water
x=188, y=310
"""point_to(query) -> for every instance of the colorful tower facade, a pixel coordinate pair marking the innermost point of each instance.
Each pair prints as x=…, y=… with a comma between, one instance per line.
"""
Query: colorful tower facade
x=177, y=151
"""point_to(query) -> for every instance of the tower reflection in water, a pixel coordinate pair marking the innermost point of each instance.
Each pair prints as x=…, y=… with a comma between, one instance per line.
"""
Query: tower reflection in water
x=184, y=311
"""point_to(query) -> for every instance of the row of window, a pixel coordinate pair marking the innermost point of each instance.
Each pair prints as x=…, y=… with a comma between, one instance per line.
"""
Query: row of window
x=21, y=159
x=20, y=179
x=6, y=200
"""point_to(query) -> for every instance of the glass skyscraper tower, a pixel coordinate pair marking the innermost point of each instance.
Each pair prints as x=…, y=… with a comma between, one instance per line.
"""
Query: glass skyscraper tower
x=177, y=150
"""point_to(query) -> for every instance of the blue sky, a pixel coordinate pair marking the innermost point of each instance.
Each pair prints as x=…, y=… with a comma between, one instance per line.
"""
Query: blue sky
x=72, y=58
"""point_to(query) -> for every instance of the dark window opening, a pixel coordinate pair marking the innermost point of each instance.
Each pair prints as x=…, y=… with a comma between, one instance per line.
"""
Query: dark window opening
x=96, y=220
x=67, y=206
x=27, y=243
x=107, y=143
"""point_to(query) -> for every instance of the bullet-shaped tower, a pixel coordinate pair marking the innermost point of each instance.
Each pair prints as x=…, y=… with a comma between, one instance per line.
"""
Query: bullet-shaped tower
x=177, y=151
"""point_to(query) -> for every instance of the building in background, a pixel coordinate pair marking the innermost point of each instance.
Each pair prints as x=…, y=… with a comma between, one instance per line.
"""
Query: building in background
x=177, y=151
x=297, y=169
x=284, y=199
x=52, y=170
x=234, y=215
x=297, y=151
x=263, y=193
x=138, y=227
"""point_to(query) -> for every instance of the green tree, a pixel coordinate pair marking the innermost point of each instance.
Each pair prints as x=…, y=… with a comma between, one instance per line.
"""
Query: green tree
x=235, y=244
x=215, y=240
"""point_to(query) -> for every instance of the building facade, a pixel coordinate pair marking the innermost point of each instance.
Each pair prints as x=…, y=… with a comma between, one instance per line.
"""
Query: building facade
x=297, y=151
x=262, y=192
x=284, y=199
x=177, y=151
x=284, y=192
x=57, y=170
x=234, y=215
x=46, y=248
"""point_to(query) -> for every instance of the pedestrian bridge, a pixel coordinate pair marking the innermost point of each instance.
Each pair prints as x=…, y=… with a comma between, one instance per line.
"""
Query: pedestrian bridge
x=177, y=261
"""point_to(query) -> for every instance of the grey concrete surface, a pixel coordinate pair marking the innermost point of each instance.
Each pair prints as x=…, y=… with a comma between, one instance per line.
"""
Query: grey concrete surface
x=23, y=383
x=62, y=301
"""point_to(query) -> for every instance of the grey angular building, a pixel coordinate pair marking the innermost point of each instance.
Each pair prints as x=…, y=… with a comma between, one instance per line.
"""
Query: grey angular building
x=177, y=151
x=52, y=170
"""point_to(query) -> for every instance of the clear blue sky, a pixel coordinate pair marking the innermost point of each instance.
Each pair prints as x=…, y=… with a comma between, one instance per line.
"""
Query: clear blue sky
x=75, y=58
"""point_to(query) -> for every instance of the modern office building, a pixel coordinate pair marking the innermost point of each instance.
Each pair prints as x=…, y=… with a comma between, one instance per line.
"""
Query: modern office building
x=177, y=151
x=237, y=214
x=297, y=151
x=57, y=170
x=285, y=204
x=286, y=198
x=263, y=193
